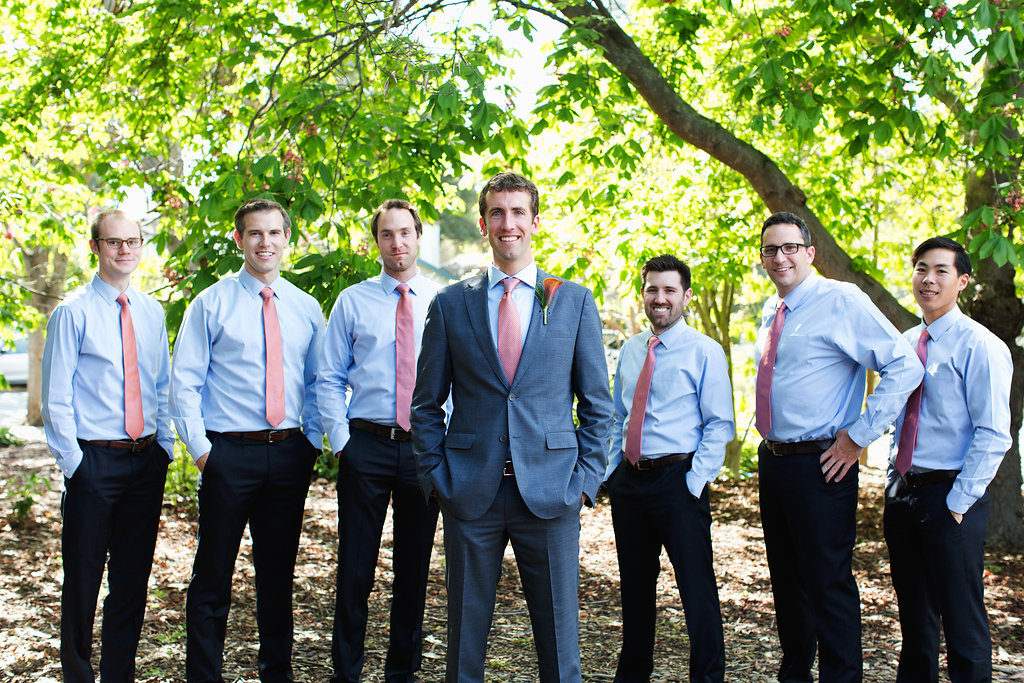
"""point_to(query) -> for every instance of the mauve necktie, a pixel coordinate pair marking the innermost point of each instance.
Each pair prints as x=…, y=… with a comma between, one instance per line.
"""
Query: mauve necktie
x=510, y=344
x=908, y=434
x=765, y=370
x=405, y=357
x=275, y=363
x=133, y=420
x=635, y=430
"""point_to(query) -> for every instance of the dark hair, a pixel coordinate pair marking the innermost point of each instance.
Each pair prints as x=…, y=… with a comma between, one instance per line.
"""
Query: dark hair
x=787, y=217
x=395, y=204
x=97, y=223
x=961, y=260
x=257, y=205
x=507, y=181
x=665, y=263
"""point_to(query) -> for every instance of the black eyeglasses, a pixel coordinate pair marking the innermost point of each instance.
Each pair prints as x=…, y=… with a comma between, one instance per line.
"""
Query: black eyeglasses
x=115, y=243
x=788, y=249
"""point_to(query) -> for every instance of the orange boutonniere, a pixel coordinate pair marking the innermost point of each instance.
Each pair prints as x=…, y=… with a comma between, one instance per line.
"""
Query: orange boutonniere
x=545, y=291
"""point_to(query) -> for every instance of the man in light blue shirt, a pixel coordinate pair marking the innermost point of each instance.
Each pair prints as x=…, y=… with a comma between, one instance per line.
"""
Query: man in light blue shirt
x=243, y=398
x=369, y=434
x=823, y=334
x=936, y=511
x=113, y=480
x=662, y=498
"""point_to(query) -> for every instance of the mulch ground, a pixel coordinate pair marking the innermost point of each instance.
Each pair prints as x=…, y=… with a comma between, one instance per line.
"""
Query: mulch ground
x=30, y=579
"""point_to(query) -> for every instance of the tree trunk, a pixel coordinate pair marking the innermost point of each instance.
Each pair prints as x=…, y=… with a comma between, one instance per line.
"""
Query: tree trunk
x=46, y=281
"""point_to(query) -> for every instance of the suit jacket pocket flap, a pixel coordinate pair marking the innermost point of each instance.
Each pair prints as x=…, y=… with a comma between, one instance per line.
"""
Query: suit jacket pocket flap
x=459, y=440
x=561, y=439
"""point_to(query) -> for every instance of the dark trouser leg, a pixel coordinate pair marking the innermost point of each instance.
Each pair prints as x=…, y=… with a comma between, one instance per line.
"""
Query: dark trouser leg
x=638, y=550
x=231, y=479
x=136, y=519
x=415, y=521
x=548, y=557
x=473, y=553
x=363, y=489
x=810, y=529
x=275, y=523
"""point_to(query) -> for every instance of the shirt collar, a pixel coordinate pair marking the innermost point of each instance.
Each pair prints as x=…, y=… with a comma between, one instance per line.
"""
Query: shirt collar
x=108, y=292
x=946, y=321
x=672, y=335
x=389, y=284
x=527, y=275
x=802, y=291
x=254, y=286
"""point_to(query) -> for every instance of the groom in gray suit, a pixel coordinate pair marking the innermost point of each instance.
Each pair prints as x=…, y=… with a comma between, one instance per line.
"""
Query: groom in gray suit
x=513, y=348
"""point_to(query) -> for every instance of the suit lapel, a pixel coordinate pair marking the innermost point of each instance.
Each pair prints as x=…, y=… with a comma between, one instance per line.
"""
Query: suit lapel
x=476, y=306
x=535, y=334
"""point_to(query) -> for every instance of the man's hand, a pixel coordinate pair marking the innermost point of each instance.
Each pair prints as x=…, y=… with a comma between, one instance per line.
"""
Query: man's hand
x=957, y=516
x=201, y=462
x=840, y=457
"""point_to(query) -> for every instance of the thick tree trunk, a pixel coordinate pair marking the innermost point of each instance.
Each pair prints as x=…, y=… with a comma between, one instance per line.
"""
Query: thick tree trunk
x=46, y=271
x=996, y=304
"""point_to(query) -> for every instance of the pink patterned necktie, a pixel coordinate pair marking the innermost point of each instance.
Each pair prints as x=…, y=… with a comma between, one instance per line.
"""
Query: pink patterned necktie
x=765, y=371
x=405, y=357
x=510, y=343
x=133, y=420
x=275, y=363
x=908, y=434
x=637, y=414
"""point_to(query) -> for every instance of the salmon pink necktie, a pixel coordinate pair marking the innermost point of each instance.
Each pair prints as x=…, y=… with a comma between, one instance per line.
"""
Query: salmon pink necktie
x=275, y=362
x=133, y=420
x=765, y=370
x=510, y=343
x=635, y=430
x=908, y=434
x=405, y=357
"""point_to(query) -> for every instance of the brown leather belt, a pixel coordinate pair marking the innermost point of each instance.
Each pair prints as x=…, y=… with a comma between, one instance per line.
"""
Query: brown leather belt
x=915, y=480
x=798, y=447
x=393, y=433
x=266, y=435
x=125, y=444
x=663, y=461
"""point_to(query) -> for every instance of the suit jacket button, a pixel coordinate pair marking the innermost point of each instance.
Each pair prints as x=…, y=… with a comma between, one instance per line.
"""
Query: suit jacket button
x=502, y=438
x=511, y=397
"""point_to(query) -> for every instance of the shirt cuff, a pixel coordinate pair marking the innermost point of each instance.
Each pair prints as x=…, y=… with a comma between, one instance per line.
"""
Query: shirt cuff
x=199, y=447
x=695, y=484
x=959, y=502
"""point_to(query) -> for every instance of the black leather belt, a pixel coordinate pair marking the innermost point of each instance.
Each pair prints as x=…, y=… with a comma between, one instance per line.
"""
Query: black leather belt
x=266, y=435
x=393, y=433
x=915, y=480
x=663, y=461
x=798, y=447
x=125, y=444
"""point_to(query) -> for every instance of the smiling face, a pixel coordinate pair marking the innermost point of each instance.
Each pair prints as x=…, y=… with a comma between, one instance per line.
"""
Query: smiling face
x=509, y=224
x=664, y=299
x=398, y=243
x=116, y=265
x=936, y=283
x=786, y=271
x=263, y=241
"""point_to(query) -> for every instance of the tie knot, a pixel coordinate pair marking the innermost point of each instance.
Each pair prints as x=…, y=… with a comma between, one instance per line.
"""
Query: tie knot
x=122, y=299
x=782, y=306
x=652, y=342
x=510, y=283
x=402, y=288
x=267, y=293
x=924, y=336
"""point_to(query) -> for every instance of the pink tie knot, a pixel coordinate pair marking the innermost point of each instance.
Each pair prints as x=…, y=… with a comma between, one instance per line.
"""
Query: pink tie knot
x=510, y=283
x=267, y=293
x=652, y=342
x=402, y=288
x=122, y=299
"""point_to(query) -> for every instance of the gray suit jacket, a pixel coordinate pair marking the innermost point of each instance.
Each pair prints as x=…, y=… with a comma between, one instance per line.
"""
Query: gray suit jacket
x=531, y=420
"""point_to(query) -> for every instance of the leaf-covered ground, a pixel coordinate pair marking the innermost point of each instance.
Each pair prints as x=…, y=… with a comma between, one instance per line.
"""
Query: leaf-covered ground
x=30, y=577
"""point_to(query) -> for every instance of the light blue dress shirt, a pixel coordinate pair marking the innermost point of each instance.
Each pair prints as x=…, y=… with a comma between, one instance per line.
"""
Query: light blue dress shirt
x=359, y=353
x=218, y=377
x=522, y=296
x=689, y=407
x=832, y=333
x=83, y=371
x=965, y=405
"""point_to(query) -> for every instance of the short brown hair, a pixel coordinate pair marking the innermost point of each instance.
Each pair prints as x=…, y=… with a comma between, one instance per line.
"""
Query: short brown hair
x=395, y=204
x=507, y=181
x=257, y=205
x=97, y=223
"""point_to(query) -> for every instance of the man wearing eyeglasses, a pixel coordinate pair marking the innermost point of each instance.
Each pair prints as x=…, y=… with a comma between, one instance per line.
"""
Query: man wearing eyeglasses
x=817, y=337
x=105, y=415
